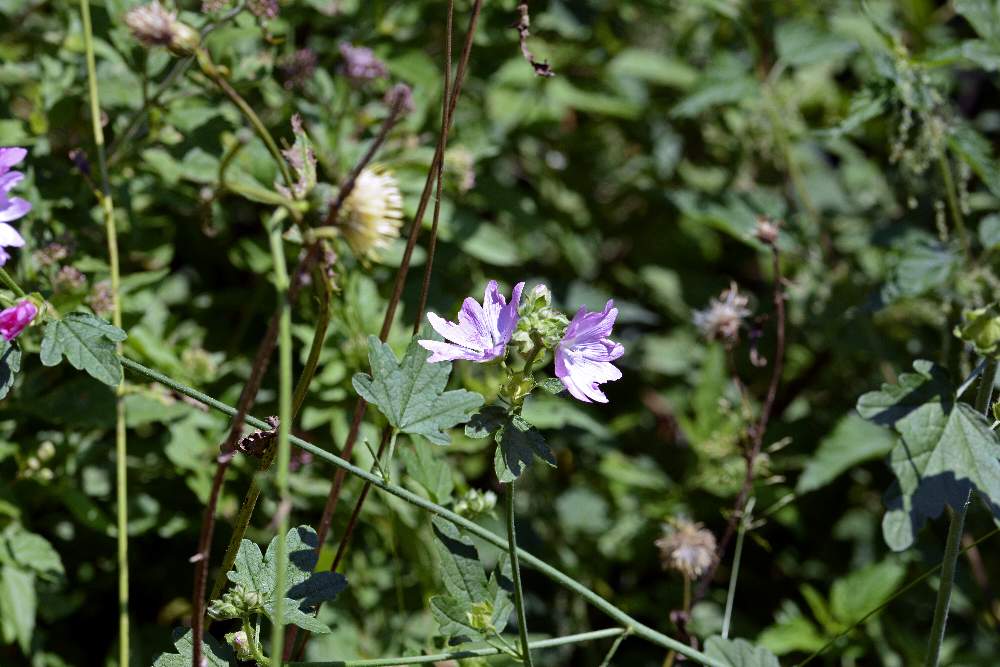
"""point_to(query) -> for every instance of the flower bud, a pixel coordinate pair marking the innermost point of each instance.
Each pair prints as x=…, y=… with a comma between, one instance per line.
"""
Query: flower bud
x=981, y=327
x=46, y=451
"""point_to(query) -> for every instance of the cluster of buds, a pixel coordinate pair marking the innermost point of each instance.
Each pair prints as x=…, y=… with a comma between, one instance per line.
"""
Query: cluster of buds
x=34, y=466
x=237, y=602
x=476, y=503
x=539, y=319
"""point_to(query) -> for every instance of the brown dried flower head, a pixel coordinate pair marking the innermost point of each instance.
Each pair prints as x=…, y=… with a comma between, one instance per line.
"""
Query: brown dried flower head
x=767, y=231
x=724, y=316
x=154, y=25
x=686, y=547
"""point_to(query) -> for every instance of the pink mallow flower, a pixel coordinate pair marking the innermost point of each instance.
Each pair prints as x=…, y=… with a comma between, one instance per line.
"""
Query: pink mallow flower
x=482, y=331
x=13, y=320
x=11, y=208
x=585, y=353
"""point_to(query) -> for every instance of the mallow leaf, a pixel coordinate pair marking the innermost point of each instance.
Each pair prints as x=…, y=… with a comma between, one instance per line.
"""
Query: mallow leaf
x=411, y=393
x=10, y=365
x=475, y=607
x=304, y=589
x=946, y=448
x=739, y=653
x=213, y=653
x=87, y=342
x=518, y=442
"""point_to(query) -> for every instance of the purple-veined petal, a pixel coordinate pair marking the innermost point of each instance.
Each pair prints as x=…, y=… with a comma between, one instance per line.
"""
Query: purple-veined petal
x=508, y=317
x=472, y=318
x=9, y=180
x=493, y=304
x=453, y=332
x=441, y=351
x=11, y=155
x=592, y=324
x=14, y=208
x=9, y=237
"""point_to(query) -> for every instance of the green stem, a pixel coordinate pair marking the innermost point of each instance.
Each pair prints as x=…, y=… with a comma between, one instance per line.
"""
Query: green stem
x=253, y=492
x=121, y=442
x=954, y=541
x=284, y=430
x=515, y=570
x=639, y=629
x=209, y=68
x=956, y=211
x=734, y=575
x=614, y=648
x=470, y=653
x=11, y=284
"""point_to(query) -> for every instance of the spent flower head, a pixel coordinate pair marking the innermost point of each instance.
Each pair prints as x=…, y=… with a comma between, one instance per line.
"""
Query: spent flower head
x=686, y=547
x=263, y=9
x=298, y=67
x=153, y=24
x=767, y=231
x=724, y=316
x=482, y=331
x=585, y=353
x=372, y=214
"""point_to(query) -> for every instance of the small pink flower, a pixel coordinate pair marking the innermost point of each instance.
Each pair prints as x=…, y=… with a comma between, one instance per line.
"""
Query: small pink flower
x=483, y=330
x=584, y=355
x=13, y=320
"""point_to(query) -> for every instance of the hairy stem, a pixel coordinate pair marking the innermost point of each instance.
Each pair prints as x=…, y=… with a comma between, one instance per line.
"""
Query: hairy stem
x=121, y=442
x=954, y=541
x=515, y=571
x=284, y=428
x=559, y=577
x=469, y=653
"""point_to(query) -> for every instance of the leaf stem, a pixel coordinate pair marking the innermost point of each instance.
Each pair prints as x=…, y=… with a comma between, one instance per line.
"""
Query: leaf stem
x=515, y=570
x=737, y=555
x=469, y=653
x=281, y=281
x=953, y=542
x=121, y=440
x=956, y=211
x=11, y=284
x=561, y=578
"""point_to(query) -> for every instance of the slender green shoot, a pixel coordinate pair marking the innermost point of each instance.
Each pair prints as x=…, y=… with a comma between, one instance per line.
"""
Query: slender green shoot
x=121, y=443
x=737, y=555
x=515, y=569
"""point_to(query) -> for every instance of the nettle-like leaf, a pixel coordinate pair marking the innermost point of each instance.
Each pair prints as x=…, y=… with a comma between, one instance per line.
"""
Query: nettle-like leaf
x=945, y=449
x=518, y=442
x=87, y=342
x=476, y=607
x=213, y=653
x=304, y=589
x=411, y=393
x=739, y=653
x=10, y=365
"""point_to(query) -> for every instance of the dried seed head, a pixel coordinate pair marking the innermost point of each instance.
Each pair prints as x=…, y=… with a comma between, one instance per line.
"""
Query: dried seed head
x=767, y=231
x=373, y=213
x=724, y=316
x=263, y=9
x=154, y=25
x=686, y=547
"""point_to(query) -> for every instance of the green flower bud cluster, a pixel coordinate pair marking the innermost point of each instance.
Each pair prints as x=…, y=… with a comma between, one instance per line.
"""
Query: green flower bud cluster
x=475, y=503
x=238, y=602
x=34, y=466
x=538, y=317
x=981, y=328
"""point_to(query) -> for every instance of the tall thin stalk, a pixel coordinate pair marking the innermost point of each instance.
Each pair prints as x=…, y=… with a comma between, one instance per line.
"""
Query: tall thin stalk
x=121, y=443
x=515, y=572
x=954, y=541
x=285, y=416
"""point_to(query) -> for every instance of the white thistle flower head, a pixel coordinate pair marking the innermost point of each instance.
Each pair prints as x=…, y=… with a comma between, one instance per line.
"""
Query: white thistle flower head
x=686, y=547
x=724, y=316
x=154, y=25
x=372, y=214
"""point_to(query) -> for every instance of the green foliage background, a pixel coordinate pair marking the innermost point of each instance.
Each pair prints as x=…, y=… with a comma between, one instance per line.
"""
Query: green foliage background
x=637, y=172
